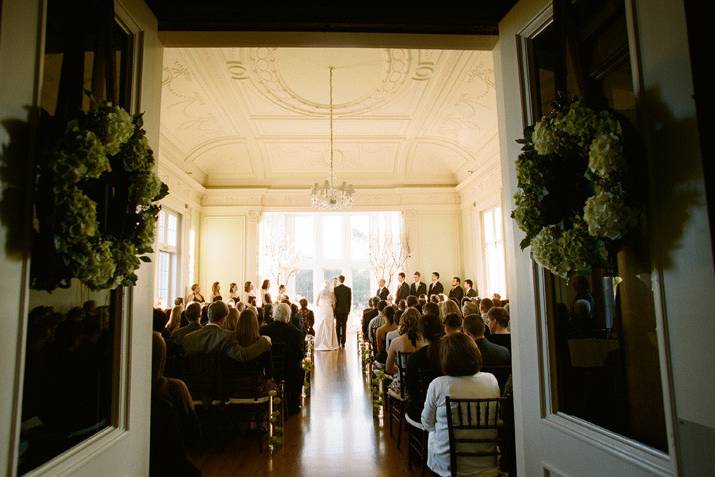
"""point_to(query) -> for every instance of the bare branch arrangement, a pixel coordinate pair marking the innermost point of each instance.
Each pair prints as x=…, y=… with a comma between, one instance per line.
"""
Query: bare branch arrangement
x=387, y=256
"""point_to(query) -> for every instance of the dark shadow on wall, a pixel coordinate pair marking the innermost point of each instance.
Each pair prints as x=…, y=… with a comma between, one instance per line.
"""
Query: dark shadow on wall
x=677, y=173
x=16, y=177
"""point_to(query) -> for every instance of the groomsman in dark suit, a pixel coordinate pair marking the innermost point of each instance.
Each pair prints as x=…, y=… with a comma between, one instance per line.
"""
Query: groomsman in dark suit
x=457, y=292
x=435, y=288
x=403, y=289
x=418, y=288
x=470, y=291
x=382, y=290
x=343, y=301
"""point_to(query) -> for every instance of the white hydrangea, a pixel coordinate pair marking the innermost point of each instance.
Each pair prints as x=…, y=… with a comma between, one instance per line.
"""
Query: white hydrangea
x=546, y=249
x=605, y=156
x=608, y=216
x=119, y=128
x=544, y=137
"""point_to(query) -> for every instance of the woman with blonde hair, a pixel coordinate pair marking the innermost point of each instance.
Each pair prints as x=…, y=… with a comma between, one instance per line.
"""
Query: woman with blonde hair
x=409, y=340
x=447, y=307
x=231, y=322
x=247, y=333
x=174, y=322
x=215, y=291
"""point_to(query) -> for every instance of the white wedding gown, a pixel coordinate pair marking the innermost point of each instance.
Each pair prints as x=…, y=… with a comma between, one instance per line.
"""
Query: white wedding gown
x=326, y=338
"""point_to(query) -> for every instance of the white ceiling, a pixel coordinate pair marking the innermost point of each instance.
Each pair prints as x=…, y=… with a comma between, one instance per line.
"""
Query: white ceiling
x=259, y=116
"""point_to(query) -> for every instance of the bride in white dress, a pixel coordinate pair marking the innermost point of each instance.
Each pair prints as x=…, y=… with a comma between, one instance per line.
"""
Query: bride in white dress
x=325, y=338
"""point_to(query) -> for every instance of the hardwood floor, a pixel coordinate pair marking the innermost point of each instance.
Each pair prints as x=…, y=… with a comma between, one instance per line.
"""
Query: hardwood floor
x=336, y=433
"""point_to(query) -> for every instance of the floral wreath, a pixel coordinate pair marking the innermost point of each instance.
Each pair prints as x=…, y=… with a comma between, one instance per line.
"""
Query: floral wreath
x=573, y=202
x=101, y=163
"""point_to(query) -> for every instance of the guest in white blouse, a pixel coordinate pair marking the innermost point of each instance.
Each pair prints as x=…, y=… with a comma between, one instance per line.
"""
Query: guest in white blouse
x=461, y=362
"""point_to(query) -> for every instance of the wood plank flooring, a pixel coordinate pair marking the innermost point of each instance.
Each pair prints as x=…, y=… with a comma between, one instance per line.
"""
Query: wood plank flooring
x=336, y=433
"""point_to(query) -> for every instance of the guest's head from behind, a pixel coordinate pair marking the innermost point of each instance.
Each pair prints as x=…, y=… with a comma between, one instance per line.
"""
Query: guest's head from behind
x=431, y=328
x=175, y=320
x=417, y=276
x=398, y=316
x=485, y=305
x=498, y=320
x=431, y=309
x=412, y=301
x=231, y=320
x=456, y=281
x=266, y=284
x=473, y=326
x=218, y=298
x=442, y=297
x=252, y=300
x=341, y=279
x=452, y=324
x=267, y=313
x=303, y=304
x=469, y=307
x=240, y=306
x=448, y=307
x=435, y=277
x=401, y=277
x=459, y=355
x=381, y=283
x=178, y=301
x=409, y=325
x=422, y=300
x=247, y=328
x=218, y=311
x=402, y=305
x=389, y=314
x=434, y=299
x=158, y=319
x=89, y=307
x=215, y=289
x=281, y=313
x=381, y=305
x=248, y=286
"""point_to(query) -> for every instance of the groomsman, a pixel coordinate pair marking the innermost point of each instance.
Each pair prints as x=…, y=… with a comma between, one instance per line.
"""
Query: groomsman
x=403, y=289
x=435, y=288
x=457, y=292
x=470, y=291
x=382, y=290
x=418, y=288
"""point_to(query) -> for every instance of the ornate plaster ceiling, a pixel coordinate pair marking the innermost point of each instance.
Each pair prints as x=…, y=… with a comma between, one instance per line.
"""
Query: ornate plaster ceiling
x=259, y=116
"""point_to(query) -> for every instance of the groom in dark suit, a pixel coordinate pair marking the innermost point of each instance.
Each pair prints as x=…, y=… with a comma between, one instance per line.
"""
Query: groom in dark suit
x=343, y=301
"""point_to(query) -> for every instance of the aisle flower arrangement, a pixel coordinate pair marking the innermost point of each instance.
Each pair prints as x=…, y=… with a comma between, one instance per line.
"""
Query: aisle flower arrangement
x=573, y=201
x=95, y=201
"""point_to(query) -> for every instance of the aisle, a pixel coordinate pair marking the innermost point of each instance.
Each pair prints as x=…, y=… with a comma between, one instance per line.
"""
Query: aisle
x=336, y=434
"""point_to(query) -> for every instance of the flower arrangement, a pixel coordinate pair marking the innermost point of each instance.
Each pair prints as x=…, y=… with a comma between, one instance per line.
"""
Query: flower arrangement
x=573, y=201
x=95, y=201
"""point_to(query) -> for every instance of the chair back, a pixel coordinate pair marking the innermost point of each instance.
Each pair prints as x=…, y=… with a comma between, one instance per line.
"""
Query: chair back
x=202, y=375
x=241, y=381
x=473, y=415
x=402, y=369
x=278, y=360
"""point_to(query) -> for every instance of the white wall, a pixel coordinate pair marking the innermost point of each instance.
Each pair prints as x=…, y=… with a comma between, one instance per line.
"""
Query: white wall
x=223, y=249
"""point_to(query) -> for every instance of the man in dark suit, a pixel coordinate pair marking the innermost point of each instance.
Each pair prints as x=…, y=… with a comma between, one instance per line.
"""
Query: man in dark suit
x=457, y=292
x=193, y=314
x=368, y=314
x=495, y=357
x=471, y=292
x=403, y=289
x=382, y=291
x=418, y=288
x=282, y=331
x=343, y=302
x=435, y=288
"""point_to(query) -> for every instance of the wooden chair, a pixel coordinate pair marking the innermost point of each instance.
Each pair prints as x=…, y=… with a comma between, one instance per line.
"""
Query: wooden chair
x=398, y=401
x=203, y=377
x=473, y=415
x=416, y=434
x=246, y=396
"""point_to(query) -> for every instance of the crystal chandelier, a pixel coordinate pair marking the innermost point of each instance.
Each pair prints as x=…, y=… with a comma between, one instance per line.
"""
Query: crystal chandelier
x=327, y=195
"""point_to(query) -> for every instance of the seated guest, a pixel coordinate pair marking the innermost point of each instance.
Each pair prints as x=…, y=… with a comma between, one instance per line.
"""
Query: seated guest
x=195, y=294
x=447, y=307
x=193, y=314
x=496, y=299
x=368, y=314
x=470, y=308
x=174, y=425
x=231, y=320
x=281, y=331
x=375, y=323
x=434, y=299
x=442, y=297
x=452, y=324
x=158, y=319
x=409, y=340
x=432, y=309
x=204, y=313
x=498, y=322
x=461, y=363
x=308, y=317
x=402, y=305
x=247, y=334
x=381, y=333
x=217, y=298
x=296, y=317
x=424, y=364
x=391, y=335
x=213, y=338
x=469, y=290
x=266, y=314
x=421, y=302
x=484, y=306
x=412, y=301
x=457, y=292
x=492, y=354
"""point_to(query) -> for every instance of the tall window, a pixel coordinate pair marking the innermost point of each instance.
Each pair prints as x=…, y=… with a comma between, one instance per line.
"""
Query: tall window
x=167, y=275
x=493, y=252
